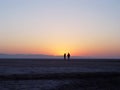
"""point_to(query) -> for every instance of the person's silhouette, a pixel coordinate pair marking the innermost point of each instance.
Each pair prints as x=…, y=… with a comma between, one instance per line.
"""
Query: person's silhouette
x=68, y=55
x=64, y=56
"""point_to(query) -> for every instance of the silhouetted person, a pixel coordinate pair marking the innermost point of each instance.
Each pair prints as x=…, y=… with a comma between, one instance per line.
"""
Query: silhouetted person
x=68, y=55
x=64, y=56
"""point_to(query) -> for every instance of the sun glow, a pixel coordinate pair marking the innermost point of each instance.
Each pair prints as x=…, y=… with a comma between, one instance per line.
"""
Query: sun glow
x=58, y=51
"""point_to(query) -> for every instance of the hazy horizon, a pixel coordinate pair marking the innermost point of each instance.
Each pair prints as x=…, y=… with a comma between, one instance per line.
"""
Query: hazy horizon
x=89, y=28
x=44, y=56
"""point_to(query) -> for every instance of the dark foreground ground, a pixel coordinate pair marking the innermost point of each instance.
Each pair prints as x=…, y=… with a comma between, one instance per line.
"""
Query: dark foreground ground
x=86, y=83
x=48, y=74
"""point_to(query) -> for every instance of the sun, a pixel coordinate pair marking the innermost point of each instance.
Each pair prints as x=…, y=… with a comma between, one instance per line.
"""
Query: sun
x=59, y=51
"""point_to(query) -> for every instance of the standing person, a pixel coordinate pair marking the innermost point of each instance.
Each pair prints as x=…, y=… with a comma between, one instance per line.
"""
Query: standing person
x=64, y=56
x=68, y=55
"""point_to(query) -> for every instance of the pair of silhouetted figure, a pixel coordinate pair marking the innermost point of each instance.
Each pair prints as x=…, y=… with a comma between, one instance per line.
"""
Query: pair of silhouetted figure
x=68, y=56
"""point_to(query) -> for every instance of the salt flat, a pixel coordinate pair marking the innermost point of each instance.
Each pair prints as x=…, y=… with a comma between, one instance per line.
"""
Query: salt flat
x=28, y=66
x=59, y=74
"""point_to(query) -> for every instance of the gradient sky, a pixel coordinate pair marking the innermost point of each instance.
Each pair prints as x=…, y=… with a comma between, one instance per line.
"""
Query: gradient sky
x=81, y=27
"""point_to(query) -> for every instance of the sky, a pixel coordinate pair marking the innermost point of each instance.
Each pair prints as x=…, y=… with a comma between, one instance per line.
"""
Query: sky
x=55, y=27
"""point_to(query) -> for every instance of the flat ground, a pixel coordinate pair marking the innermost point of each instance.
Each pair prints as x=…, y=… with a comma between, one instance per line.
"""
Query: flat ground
x=60, y=62
x=59, y=74
x=51, y=66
